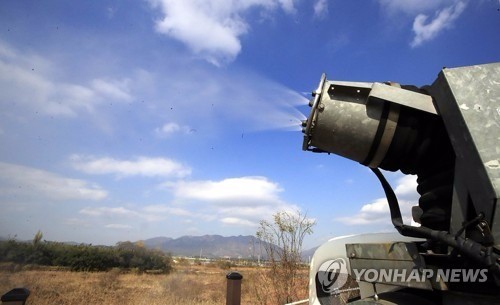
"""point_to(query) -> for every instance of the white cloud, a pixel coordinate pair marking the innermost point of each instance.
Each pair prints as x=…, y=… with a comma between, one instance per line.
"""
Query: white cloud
x=406, y=187
x=238, y=191
x=158, y=209
x=110, y=12
x=118, y=226
x=427, y=30
x=140, y=166
x=288, y=6
x=425, y=27
x=113, y=89
x=242, y=201
x=378, y=206
x=26, y=181
x=150, y=213
x=28, y=80
x=412, y=7
x=377, y=211
x=171, y=128
x=321, y=8
x=238, y=222
x=211, y=28
x=108, y=211
x=77, y=222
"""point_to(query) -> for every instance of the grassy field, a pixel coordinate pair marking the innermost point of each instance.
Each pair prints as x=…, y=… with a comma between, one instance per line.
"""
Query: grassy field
x=187, y=285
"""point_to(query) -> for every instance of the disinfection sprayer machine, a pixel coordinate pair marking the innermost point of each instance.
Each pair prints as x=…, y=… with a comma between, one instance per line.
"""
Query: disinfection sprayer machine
x=448, y=135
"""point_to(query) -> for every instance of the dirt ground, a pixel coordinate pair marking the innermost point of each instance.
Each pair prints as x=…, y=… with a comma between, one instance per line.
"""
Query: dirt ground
x=187, y=285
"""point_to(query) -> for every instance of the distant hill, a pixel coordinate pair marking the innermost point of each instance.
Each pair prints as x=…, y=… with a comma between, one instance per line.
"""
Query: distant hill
x=308, y=254
x=209, y=246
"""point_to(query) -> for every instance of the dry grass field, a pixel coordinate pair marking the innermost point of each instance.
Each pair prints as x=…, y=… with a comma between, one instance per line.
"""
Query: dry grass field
x=187, y=285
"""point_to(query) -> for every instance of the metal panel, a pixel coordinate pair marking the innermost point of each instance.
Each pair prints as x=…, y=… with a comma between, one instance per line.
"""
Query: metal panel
x=344, y=125
x=400, y=251
x=468, y=99
x=389, y=269
x=335, y=248
x=388, y=259
x=402, y=97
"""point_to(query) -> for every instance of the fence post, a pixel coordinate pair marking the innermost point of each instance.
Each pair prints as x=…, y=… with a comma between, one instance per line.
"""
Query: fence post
x=233, y=296
x=16, y=296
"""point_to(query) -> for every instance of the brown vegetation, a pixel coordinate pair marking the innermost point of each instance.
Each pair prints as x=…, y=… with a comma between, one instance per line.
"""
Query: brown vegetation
x=283, y=238
x=186, y=285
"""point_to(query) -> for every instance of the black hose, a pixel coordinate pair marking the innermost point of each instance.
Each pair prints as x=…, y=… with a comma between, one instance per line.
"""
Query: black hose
x=468, y=247
x=421, y=147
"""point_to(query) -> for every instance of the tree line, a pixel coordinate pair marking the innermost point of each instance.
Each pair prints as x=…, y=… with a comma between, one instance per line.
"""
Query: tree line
x=84, y=257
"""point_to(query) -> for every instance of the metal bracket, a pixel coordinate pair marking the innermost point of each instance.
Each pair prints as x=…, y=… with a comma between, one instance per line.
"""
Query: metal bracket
x=402, y=97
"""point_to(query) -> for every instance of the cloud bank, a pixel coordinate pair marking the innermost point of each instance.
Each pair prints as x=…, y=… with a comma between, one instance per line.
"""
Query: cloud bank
x=377, y=211
x=430, y=17
x=321, y=9
x=426, y=29
x=232, y=201
x=140, y=166
x=27, y=79
x=171, y=128
x=212, y=29
x=23, y=181
x=413, y=7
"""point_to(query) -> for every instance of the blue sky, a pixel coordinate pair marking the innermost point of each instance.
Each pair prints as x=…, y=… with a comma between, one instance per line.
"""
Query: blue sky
x=125, y=120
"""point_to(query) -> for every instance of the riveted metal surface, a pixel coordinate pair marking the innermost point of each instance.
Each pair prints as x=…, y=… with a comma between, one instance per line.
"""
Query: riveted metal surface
x=344, y=125
x=468, y=99
x=388, y=259
x=399, y=251
x=402, y=97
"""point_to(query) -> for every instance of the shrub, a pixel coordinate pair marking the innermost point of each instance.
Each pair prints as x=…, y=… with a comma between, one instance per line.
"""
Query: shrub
x=84, y=257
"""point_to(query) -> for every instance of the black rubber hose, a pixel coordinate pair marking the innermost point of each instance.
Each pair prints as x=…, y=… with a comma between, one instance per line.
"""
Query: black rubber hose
x=421, y=146
x=468, y=247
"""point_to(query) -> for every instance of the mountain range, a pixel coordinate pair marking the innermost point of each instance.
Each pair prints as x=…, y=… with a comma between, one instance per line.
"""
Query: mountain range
x=212, y=246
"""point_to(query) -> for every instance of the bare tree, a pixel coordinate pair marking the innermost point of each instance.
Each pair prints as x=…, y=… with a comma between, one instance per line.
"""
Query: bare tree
x=282, y=240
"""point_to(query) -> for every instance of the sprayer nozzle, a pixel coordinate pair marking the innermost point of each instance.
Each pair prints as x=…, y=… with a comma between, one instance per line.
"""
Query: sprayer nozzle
x=313, y=103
